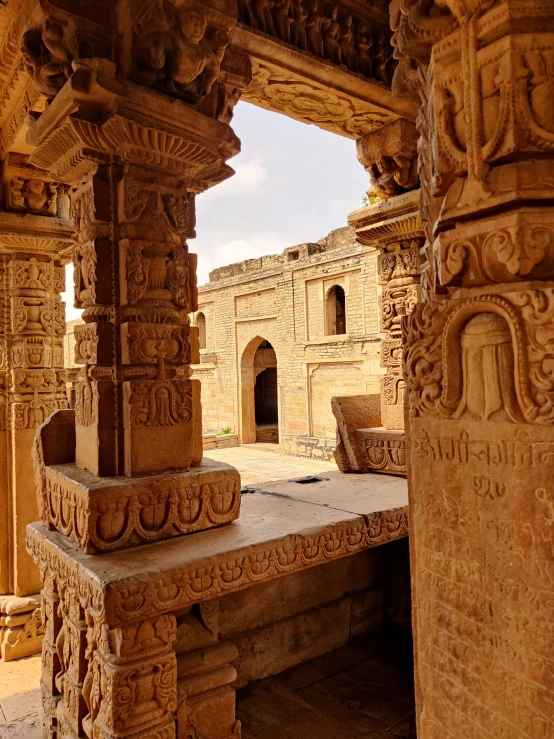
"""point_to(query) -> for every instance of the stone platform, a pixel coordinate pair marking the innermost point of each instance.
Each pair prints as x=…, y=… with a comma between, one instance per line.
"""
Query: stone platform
x=289, y=526
x=160, y=602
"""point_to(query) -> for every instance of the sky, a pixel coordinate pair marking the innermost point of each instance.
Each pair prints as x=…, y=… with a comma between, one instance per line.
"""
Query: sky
x=293, y=183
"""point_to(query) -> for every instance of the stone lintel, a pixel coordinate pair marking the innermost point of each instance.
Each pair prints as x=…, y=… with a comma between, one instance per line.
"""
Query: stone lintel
x=277, y=63
x=276, y=535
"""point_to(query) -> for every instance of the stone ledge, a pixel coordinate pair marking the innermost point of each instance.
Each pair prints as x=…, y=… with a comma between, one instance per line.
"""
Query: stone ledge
x=275, y=536
x=102, y=514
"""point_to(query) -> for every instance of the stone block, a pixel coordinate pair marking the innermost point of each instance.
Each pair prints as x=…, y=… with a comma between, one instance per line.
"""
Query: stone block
x=302, y=637
x=351, y=413
x=384, y=450
x=104, y=514
x=21, y=630
x=267, y=603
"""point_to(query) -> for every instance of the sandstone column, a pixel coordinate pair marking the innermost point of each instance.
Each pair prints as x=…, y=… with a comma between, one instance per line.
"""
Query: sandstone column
x=139, y=99
x=478, y=365
x=390, y=225
x=35, y=242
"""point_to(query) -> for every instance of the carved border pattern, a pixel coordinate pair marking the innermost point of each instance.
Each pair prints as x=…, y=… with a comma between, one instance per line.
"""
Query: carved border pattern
x=121, y=602
x=304, y=100
x=107, y=524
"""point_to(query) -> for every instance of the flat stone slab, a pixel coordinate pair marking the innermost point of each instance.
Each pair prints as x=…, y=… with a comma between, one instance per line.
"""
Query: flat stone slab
x=366, y=495
x=274, y=536
x=103, y=514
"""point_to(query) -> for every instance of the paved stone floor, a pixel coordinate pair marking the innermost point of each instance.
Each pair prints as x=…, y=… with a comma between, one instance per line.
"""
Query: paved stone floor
x=20, y=699
x=354, y=692
x=263, y=462
x=357, y=691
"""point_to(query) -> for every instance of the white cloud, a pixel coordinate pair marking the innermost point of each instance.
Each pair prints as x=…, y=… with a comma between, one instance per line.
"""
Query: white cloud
x=245, y=183
x=344, y=207
x=71, y=313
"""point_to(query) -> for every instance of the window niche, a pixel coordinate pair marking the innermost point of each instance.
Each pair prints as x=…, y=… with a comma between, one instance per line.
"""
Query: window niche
x=201, y=324
x=335, y=311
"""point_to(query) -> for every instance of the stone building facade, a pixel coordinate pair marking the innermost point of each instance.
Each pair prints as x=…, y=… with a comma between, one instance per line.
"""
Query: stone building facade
x=281, y=335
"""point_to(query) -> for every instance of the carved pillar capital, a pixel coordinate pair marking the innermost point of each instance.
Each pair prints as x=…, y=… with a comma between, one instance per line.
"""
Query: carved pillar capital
x=390, y=156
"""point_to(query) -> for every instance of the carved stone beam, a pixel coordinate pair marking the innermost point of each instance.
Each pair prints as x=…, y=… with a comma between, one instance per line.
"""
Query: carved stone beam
x=390, y=156
x=305, y=88
x=327, y=65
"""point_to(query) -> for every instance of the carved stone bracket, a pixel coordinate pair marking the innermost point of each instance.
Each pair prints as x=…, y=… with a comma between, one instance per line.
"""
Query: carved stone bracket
x=390, y=156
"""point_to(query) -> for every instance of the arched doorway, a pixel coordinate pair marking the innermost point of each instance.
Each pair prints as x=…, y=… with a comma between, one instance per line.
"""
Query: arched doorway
x=259, y=393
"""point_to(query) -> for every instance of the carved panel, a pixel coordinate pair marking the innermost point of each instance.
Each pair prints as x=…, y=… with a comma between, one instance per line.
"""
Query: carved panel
x=327, y=31
x=177, y=48
x=311, y=102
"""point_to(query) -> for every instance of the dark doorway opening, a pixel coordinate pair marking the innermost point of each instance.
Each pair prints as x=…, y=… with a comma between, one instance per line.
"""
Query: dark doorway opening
x=265, y=394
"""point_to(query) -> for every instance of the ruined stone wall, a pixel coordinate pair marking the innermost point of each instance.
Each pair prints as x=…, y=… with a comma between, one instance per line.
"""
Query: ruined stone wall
x=282, y=299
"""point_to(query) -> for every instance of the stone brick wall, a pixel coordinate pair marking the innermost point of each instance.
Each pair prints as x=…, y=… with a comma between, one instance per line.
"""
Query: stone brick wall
x=282, y=299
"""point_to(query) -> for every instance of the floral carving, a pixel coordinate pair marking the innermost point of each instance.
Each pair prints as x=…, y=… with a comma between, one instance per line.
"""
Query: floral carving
x=302, y=99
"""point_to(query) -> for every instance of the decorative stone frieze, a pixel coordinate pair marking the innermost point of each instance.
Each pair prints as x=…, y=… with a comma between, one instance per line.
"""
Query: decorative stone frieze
x=476, y=360
x=357, y=39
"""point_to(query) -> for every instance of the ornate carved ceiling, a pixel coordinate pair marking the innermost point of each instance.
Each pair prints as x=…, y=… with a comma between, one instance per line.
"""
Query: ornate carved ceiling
x=321, y=63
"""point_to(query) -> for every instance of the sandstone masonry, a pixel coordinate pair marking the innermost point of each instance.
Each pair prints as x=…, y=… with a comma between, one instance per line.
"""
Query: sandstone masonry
x=281, y=310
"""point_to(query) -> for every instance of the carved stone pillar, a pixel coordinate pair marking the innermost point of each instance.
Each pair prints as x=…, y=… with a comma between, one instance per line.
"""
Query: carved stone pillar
x=390, y=225
x=140, y=96
x=478, y=358
x=35, y=242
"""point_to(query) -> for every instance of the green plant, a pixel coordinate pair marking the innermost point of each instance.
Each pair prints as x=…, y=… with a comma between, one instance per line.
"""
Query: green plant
x=369, y=199
x=225, y=431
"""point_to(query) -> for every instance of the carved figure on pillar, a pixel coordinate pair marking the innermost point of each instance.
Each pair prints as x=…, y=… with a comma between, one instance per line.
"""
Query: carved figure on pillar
x=390, y=157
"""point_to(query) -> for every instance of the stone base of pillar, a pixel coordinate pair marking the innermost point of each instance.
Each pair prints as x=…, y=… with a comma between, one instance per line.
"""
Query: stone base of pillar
x=103, y=514
x=384, y=450
x=21, y=630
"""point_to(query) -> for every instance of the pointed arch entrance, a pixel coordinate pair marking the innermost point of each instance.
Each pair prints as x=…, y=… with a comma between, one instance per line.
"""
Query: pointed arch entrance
x=259, y=393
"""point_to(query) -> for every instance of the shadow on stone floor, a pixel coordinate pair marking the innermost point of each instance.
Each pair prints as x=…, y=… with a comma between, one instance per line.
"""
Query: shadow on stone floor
x=364, y=689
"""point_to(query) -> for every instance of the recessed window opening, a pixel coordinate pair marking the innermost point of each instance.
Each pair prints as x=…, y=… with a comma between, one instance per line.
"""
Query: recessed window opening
x=201, y=323
x=335, y=311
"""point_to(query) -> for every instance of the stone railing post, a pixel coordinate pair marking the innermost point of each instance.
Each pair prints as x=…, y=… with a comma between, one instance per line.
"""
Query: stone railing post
x=477, y=363
x=35, y=242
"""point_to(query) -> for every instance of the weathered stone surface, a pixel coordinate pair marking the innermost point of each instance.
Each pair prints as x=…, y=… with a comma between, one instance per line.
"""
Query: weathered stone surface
x=479, y=391
x=351, y=413
x=158, y=604
x=286, y=300
x=21, y=630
